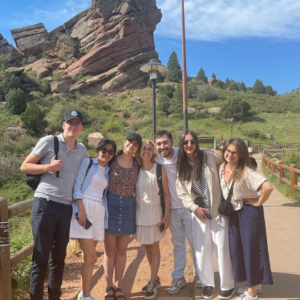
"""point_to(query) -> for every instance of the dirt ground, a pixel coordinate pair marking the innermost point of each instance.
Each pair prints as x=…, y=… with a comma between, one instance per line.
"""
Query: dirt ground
x=136, y=275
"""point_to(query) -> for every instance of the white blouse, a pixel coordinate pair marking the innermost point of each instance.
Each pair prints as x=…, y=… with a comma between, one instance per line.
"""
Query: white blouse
x=245, y=187
x=148, y=205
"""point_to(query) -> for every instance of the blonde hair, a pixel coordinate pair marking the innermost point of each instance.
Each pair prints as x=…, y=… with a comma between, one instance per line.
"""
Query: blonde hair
x=138, y=154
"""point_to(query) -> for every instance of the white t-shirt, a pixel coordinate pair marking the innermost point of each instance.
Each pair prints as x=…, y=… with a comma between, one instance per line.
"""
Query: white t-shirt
x=97, y=186
x=170, y=164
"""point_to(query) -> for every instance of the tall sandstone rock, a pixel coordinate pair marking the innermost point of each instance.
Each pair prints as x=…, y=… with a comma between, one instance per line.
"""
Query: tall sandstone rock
x=118, y=38
x=108, y=42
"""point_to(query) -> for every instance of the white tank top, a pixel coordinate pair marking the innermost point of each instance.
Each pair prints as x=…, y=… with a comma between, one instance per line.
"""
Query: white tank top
x=148, y=208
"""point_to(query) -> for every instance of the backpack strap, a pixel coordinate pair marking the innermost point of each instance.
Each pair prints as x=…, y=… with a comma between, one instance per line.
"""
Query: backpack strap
x=88, y=168
x=56, y=148
x=161, y=188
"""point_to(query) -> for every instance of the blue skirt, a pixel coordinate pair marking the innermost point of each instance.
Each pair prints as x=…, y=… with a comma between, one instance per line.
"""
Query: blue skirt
x=249, y=247
x=121, y=214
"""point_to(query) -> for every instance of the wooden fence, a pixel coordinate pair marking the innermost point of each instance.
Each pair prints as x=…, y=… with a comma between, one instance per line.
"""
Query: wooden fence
x=6, y=261
x=277, y=169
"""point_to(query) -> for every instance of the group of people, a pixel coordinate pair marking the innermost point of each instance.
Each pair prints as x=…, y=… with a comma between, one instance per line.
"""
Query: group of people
x=144, y=189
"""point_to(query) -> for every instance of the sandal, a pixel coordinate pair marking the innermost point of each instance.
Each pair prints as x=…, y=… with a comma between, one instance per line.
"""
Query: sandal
x=109, y=296
x=119, y=297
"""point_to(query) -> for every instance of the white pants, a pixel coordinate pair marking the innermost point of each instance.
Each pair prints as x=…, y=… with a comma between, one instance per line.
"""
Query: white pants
x=181, y=228
x=209, y=236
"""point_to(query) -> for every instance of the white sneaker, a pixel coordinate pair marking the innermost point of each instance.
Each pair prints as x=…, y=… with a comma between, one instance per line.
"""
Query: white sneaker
x=246, y=296
x=244, y=288
x=198, y=282
x=151, y=291
x=80, y=296
x=177, y=284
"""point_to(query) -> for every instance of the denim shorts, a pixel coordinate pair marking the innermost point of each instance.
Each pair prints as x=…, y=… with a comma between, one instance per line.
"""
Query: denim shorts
x=121, y=214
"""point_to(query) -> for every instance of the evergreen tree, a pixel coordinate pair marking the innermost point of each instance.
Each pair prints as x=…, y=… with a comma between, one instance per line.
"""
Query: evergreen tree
x=213, y=76
x=258, y=87
x=174, y=72
x=201, y=75
x=242, y=87
x=16, y=101
x=235, y=109
x=233, y=86
x=33, y=119
x=167, y=90
x=269, y=91
x=227, y=82
x=220, y=84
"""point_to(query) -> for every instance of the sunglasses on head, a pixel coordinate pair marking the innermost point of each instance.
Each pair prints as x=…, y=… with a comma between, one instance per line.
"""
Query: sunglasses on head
x=110, y=151
x=192, y=142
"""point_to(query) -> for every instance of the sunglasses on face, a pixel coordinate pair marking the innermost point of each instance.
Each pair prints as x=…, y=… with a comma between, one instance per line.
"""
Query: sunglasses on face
x=192, y=142
x=110, y=151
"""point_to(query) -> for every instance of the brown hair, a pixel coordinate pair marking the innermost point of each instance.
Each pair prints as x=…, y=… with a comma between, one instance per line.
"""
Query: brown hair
x=242, y=151
x=184, y=169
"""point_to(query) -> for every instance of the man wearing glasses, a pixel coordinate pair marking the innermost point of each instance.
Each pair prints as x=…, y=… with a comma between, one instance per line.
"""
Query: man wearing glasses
x=52, y=210
x=180, y=217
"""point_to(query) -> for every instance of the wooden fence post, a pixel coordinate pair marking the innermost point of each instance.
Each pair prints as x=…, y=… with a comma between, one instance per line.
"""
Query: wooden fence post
x=281, y=174
x=293, y=178
x=5, y=266
x=272, y=167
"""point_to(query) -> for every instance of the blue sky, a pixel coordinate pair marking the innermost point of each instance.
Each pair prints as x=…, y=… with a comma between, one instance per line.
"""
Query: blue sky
x=239, y=39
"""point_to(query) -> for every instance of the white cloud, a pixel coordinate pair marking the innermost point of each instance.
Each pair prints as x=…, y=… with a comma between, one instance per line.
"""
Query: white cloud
x=217, y=20
x=54, y=14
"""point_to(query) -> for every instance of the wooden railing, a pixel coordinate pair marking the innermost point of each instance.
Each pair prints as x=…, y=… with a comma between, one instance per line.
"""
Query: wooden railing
x=6, y=261
x=277, y=169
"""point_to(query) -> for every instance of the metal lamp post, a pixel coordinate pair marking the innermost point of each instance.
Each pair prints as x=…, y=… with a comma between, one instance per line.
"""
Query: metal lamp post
x=231, y=128
x=184, y=72
x=153, y=67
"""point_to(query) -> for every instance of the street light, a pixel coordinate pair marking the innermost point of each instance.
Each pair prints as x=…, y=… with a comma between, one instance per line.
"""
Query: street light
x=231, y=128
x=153, y=68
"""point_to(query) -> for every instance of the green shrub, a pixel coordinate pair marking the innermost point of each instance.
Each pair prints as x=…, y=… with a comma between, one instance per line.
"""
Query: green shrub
x=9, y=166
x=207, y=93
x=16, y=101
x=33, y=119
x=20, y=237
x=126, y=114
x=113, y=125
x=292, y=158
x=9, y=82
x=57, y=76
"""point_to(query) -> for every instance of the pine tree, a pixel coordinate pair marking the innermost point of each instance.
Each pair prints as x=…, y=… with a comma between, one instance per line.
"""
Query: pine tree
x=242, y=86
x=227, y=82
x=258, y=87
x=213, y=76
x=174, y=72
x=201, y=75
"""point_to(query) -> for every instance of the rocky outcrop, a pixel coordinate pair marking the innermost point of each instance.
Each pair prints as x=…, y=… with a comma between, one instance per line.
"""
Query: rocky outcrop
x=15, y=131
x=94, y=139
x=30, y=40
x=59, y=87
x=8, y=49
x=117, y=34
x=109, y=41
